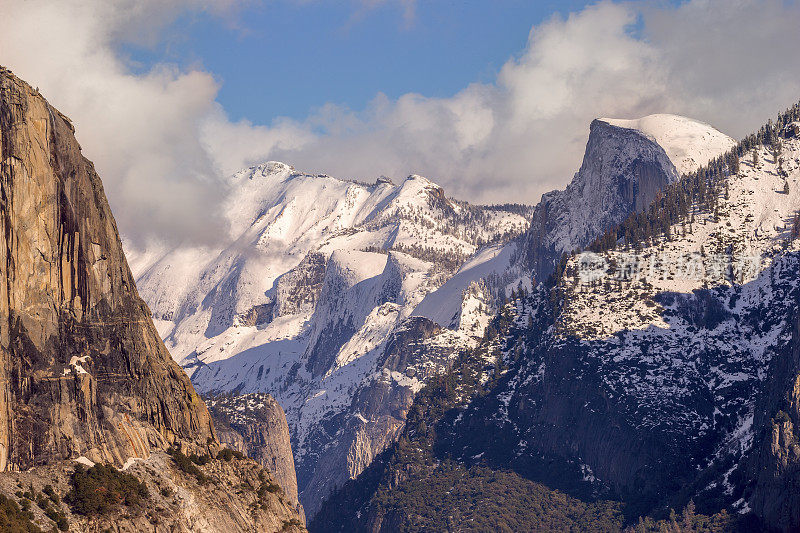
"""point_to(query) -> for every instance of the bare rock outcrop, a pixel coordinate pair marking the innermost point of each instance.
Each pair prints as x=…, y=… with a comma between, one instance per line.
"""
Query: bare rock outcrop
x=622, y=171
x=775, y=465
x=255, y=425
x=236, y=495
x=82, y=368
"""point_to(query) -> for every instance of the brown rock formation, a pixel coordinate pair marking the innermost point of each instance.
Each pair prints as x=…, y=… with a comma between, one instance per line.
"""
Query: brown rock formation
x=82, y=369
x=255, y=425
x=233, y=499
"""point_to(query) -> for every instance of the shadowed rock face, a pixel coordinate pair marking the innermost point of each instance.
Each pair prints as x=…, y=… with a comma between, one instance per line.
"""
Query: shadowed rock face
x=775, y=465
x=82, y=369
x=350, y=440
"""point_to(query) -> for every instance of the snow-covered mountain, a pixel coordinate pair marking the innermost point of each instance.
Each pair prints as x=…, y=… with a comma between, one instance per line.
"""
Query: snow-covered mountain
x=627, y=162
x=340, y=298
x=320, y=276
x=689, y=144
x=658, y=370
x=655, y=369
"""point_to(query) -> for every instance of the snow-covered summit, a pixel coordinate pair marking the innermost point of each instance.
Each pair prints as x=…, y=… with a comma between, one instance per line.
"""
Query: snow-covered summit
x=626, y=163
x=318, y=274
x=686, y=329
x=689, y=143
x=340, y=297
x=277, y=216
x=657, y=365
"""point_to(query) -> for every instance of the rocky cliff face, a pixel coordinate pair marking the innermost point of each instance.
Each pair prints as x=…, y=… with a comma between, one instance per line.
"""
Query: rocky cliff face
x=84, y=376
x=82, y=368
x=625, y=165
x=256, y=425
x=775, y=465
x=237, y=496
x=346, y=443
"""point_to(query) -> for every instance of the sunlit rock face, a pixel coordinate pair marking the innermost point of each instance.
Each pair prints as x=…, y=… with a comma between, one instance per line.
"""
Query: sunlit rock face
x=82, y=368
x=84, y=375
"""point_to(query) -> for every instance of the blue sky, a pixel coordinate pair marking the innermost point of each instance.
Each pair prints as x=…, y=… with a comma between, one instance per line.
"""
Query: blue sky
x=286, y=58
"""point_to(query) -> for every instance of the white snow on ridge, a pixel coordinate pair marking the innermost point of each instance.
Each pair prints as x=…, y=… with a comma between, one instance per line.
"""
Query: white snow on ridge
x=319, y=274
x=276, y=217
x=689, y=143
x=733, y=260
x=353, y=267
x=316, y=276
x=753, y=225
x=444, y=305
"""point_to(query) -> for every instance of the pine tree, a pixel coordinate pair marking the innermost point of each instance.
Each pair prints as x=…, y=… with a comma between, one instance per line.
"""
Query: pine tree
x=755, y=156
x=777, y=148
x=688, y=516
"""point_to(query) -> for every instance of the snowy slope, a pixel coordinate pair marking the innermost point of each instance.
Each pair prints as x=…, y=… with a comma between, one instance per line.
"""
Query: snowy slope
x=689, y=144
x=753, y=225
x=277, y=216
x=444, y=305
x=736, y=251
x=627, y=162
x=322, y=279
x=317, y=276
x=647, y=373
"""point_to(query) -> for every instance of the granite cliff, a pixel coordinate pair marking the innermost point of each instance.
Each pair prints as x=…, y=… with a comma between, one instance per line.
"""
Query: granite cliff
x=83, y=369
x=626, y=163
x=255, y=425
x=84, y=374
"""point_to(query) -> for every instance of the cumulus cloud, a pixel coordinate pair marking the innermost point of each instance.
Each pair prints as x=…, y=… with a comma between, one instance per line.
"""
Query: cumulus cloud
x=162, y=144
x=143, y=132
x=730, y=63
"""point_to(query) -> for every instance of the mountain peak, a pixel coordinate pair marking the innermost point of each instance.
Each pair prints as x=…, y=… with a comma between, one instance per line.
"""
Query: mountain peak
x=418, y=178
x=266, y=169
x=688, y=143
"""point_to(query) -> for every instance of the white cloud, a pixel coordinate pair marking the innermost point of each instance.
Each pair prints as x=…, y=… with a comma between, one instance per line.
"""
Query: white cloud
x=732, y=64
x=161, y=141
x=141, y=131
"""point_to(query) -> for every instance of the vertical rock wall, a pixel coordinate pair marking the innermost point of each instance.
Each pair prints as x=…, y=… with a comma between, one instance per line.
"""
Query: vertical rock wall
x=621, y=173
x=82, y=368
x=775, y=465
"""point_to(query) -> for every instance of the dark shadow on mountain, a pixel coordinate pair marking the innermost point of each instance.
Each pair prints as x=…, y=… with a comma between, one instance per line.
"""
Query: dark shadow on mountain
x=571, y=429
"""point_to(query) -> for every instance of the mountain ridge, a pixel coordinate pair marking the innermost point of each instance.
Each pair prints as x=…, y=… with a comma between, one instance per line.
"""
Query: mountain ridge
x=320, y=357
x=653, y=385
x=320, y=274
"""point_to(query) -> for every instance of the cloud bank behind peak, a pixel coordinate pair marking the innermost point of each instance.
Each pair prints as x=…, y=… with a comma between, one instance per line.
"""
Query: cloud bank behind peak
x=163, y=144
